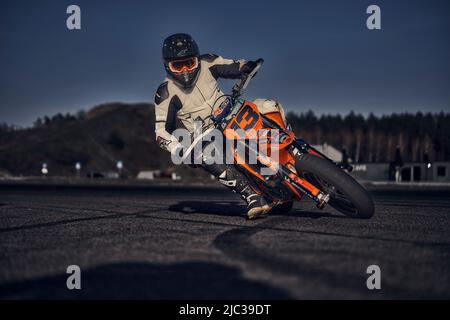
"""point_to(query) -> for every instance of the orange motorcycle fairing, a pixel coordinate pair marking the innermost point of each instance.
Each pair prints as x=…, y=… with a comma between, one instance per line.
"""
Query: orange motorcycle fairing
x=276, y=117
x=249, y=120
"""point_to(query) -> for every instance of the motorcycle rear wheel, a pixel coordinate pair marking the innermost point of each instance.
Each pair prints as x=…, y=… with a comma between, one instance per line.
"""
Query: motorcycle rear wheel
x=346, y=195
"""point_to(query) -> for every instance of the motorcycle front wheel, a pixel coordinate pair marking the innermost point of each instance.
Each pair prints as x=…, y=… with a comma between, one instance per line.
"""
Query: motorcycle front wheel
x=346, y=195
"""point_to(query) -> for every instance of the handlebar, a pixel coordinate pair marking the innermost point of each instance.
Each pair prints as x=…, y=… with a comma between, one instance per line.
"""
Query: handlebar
x=227, y=105
x=242, y=83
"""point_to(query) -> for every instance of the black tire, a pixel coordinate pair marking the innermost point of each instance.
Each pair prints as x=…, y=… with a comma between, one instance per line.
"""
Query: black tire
x=284, y=207
x=346, y=195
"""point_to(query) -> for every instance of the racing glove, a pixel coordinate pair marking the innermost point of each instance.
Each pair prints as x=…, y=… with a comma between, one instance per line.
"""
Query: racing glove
x=248, y=67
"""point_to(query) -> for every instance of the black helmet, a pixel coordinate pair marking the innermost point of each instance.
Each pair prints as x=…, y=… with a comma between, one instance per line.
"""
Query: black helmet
x=180, y=54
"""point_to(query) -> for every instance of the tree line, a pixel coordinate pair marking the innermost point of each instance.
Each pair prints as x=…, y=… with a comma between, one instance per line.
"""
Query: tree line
x=419, y=137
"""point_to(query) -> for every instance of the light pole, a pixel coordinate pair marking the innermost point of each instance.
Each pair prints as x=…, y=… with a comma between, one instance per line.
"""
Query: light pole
x=78, y=168
x=44, y=169
x=120, y=167
x=429, y=169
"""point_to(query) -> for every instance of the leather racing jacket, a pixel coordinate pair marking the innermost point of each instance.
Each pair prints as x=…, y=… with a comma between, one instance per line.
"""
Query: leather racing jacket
x=173, y=102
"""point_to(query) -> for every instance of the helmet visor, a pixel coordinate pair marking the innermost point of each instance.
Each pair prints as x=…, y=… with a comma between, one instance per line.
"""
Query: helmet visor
x=183, y=65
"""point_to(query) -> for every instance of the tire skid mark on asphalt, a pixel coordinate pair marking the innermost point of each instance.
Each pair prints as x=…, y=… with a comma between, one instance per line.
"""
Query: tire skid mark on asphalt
x=235, y=244
x=76, y=211
x=47, y=207
x=73, y=245
x=411, y=204
x=413, y=242
x=418, y=200
x=69, y=221
x=323, y=233
x=139, y=214
x=145, y=214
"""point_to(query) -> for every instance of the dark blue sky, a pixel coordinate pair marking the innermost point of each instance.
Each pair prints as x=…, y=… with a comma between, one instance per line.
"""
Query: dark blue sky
x=319, y=54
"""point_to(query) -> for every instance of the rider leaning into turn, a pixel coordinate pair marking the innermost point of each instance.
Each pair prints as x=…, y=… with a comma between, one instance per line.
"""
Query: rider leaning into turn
x=189, y=92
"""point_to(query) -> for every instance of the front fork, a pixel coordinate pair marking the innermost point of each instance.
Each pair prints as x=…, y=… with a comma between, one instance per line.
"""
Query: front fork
x=291, y=176
x=321, y=198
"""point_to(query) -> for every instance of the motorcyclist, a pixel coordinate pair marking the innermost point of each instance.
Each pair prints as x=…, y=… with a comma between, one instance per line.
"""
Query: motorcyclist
x=189, y=93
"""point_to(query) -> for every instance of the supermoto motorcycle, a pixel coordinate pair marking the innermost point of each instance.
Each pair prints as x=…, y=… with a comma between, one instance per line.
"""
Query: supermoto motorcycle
x=300, y=170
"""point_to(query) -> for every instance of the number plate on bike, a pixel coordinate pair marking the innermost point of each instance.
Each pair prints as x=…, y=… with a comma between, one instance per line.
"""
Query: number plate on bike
x=246, y=119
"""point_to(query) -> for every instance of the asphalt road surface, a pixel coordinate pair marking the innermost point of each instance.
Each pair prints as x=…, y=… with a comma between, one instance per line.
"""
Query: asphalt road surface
x=195, y=243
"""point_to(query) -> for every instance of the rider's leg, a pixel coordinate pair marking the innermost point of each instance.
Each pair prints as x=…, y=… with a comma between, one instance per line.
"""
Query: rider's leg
x=268, y=105
x=232, y=178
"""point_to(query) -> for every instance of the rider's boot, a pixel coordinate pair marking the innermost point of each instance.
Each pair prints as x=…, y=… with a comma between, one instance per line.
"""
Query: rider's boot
x=256, y=204
x=236, y=181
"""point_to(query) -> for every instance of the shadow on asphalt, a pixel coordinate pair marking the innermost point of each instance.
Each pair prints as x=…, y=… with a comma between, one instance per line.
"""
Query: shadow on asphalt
x=230, y=208
x=220, y=208
x=191, y=280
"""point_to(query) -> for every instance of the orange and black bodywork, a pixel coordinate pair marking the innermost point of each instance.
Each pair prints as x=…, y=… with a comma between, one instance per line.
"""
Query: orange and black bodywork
x=247, y=124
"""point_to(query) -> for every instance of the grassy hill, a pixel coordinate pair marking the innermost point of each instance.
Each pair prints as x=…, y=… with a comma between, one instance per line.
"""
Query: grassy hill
x=98, y=139
x=117, y=131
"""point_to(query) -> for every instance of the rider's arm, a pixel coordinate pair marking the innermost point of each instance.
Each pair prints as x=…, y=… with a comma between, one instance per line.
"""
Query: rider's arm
x=166, y=108
x=227, y=68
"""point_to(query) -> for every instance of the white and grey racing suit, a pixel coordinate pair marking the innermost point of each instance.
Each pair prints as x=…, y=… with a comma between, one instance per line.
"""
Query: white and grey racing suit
x=173, y=102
